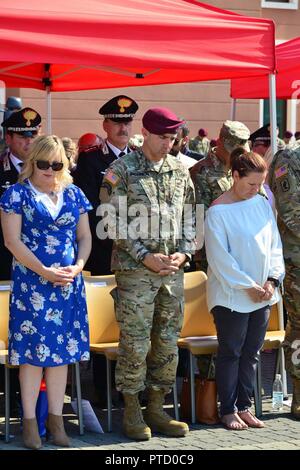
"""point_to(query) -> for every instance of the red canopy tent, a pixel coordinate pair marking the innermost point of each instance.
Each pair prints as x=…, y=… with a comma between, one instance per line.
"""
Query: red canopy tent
x=75, y=45
x=288, y=73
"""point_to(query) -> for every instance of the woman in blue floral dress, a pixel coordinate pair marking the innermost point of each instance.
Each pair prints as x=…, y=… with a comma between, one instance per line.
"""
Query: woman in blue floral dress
x=45, y=226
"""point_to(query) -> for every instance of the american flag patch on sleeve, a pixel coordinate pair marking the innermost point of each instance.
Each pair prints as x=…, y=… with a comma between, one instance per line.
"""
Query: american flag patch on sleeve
x=281, y=171
x=111, y=178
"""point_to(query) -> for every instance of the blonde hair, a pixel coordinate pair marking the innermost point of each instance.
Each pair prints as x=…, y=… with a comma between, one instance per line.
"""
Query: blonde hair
x=70, y=148
x=43, y=148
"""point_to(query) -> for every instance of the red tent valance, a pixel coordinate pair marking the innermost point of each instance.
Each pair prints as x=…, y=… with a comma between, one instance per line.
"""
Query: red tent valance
x=91, y=44
x=287, y=78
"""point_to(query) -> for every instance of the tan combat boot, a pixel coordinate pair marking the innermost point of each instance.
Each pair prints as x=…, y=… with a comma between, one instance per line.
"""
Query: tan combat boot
x=159, y=420
x=295, y=409
x=31, y=437
x=134, y=425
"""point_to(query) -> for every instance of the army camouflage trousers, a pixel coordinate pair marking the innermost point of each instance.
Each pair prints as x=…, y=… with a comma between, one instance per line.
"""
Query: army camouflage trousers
x=292, y=332
x=149, y=310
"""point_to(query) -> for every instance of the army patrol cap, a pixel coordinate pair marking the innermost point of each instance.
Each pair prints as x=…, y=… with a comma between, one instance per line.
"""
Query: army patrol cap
x=121, y=108
x=161, y=121
x=235, y=134
x=25, y=122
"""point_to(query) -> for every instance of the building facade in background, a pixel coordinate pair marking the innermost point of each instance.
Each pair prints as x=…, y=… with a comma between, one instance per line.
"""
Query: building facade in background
x=202, y=104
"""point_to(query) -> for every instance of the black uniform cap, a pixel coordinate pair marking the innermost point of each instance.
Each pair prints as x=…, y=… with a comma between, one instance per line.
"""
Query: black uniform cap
x=262, y=135
x=121, y=108
x=25, y=122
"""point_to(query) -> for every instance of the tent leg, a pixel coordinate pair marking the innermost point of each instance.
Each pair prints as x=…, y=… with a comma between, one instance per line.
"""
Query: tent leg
x=273, y=115
x=233, y=109
x=49, y=117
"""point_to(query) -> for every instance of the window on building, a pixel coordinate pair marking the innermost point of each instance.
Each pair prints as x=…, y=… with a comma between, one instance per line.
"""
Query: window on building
x=285, y=4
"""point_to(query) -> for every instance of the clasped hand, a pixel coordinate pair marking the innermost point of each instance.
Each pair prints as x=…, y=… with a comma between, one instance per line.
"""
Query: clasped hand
x=261, y=293
x=61, y=276
x=164, y=264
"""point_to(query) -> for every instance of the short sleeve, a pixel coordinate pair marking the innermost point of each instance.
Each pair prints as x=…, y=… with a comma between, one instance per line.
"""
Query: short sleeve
x=11, y=201
x=83, y=202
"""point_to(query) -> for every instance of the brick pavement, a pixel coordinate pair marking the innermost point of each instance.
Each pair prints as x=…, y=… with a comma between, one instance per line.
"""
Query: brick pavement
x=281, y=433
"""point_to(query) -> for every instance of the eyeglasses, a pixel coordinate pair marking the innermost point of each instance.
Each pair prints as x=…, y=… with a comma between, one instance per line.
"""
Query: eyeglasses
x=44, y=165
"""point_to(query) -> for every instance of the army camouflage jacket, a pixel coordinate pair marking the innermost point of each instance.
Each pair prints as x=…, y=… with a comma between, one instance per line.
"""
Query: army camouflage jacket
x=157, y=192
x=210, y=179
x=284, y=181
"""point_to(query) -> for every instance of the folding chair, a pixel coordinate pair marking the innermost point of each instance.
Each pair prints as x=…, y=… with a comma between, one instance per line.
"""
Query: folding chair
x=4, y=318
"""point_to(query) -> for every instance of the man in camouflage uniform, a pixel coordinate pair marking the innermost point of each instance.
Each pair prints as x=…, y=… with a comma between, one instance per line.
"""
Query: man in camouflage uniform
x=200, y=143
x=284, y=180
x=149, y=271
x=212, y=176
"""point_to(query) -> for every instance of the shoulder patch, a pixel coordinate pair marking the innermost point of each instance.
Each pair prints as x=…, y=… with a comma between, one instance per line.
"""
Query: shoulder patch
x=281, y=171
x=111, y=178
x=285, y=185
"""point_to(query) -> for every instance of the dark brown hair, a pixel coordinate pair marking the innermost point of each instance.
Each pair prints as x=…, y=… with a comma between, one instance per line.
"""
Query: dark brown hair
x=246, y=162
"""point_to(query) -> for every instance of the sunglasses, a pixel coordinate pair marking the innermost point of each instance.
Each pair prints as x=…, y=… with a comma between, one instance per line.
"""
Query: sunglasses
x=44, y=165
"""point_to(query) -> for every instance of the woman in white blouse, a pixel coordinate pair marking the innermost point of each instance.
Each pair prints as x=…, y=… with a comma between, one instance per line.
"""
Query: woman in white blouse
x=246, y=266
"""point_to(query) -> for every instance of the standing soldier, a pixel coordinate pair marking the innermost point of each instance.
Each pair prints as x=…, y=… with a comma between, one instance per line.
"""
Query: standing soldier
x=149, y=272
x=284, y=180
x=92, y=163
x=212, y=176
x=21, y=127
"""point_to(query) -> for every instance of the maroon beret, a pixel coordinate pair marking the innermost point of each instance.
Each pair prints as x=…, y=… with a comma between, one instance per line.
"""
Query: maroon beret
x=202, y=132
x=161, y=121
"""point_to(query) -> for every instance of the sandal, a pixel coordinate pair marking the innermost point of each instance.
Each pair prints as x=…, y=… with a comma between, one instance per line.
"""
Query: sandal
x=251, y=420
x=233, y=422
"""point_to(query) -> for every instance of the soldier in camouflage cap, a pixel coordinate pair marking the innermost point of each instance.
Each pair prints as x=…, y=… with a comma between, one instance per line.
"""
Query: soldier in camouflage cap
x=234, y=134
x=284, y=180
x=149, y=271
x=212, y=176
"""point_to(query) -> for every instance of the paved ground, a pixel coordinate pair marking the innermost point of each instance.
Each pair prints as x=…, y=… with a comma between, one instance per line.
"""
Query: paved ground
x=281, y=432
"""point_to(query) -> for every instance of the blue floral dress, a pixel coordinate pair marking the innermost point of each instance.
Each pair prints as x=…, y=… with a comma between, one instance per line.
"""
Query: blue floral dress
x=48, y=325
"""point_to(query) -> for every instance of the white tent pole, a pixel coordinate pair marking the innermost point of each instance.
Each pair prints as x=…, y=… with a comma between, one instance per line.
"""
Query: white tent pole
x=233, y=109
x=273, y=116
x=49, y=116
x=293, y=116
x=261, y=113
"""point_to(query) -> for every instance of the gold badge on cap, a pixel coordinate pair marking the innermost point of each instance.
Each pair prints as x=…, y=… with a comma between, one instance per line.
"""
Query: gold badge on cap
x=124, y=103
x=29, y=116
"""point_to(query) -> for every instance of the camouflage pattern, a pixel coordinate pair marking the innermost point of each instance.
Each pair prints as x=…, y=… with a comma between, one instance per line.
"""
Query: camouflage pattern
x=211, y=179
x=200, y=146
x=284, y=181
x=166, y=188
x=148, y=307
x=235, y=134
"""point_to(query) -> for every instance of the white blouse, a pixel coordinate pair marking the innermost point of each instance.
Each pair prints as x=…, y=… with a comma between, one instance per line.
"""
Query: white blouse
x=243, y=248
x=53, y=208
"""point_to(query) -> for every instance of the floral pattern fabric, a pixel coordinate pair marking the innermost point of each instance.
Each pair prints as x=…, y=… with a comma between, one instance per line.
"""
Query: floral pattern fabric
x=48, y=325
